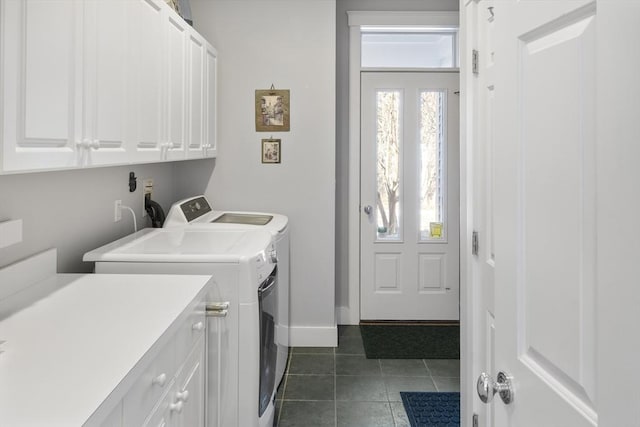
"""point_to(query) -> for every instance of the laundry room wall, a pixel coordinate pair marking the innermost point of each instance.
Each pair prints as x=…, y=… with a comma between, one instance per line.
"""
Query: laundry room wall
x=290, y=44
x=73, y=210
x=342, y=128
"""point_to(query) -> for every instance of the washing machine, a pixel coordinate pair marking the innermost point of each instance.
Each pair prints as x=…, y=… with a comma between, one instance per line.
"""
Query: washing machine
x=240, y=318
x=196, y=212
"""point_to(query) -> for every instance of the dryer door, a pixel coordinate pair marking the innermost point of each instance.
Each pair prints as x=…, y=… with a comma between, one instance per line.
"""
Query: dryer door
x=268, y=349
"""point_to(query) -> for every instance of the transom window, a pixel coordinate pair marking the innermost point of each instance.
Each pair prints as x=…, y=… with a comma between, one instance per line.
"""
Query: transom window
x=406, y=47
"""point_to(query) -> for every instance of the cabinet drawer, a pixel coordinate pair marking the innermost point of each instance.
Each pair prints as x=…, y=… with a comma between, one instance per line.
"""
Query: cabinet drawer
x=189, y=333
x=148, y=389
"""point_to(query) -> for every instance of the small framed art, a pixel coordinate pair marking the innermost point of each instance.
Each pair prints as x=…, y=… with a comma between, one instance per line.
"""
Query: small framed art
x=271, y=150
x=272, y=110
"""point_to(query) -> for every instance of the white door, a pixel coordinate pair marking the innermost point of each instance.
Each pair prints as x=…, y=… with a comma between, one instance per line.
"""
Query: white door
x=409, y=196
x=553, y=182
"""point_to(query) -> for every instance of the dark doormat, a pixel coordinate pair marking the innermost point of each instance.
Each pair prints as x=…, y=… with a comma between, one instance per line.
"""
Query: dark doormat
x=411, y=341
x=428, y=409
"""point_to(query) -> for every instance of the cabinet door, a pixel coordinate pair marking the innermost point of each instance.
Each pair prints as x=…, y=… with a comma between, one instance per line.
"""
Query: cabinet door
x=146, y=36
x=115, y=418
x=40, y=75
x=176, y=102
x=196, y=97
x=210, y=148
x=191, y=388
x=106, y=83
x=165, y=414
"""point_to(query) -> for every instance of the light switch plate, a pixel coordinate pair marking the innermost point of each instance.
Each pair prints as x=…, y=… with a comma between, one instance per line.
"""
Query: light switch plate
x=10, y=232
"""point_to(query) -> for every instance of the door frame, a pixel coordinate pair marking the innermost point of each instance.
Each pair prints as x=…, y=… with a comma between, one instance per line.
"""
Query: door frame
x=350, y=315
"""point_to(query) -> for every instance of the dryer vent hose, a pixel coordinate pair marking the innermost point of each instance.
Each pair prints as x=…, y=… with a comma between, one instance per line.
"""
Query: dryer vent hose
x=155, y=213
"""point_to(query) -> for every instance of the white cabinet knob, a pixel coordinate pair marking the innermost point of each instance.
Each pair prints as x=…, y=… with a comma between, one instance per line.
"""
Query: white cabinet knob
x=182, y=396
x=198, y=326
x=176, y=407
x=95, y=144
x=160, y=380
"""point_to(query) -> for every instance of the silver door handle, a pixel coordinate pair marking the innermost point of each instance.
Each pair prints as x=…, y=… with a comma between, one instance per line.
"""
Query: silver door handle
x=487, y=387
x=368, y=209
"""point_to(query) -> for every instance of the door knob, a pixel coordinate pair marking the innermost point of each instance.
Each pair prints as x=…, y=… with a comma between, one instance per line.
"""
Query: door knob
x=487, y=387
x=368, y=209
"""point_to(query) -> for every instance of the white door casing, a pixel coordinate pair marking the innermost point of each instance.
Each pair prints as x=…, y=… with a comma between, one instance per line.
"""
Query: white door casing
x=410, y=274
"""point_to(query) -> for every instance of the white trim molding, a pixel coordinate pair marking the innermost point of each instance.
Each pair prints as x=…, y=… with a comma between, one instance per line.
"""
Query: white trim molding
x=357, y=20
x=404, y=19
x=313, y=336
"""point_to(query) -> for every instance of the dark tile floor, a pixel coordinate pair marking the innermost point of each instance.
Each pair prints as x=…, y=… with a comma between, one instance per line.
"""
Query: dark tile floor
x=340, y=387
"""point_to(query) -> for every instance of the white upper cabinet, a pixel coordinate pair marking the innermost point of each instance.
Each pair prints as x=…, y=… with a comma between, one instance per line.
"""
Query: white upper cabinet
x=40, y=73
x=176, y=102
x=146, y=36
x=94, y=83
x=196, y=49
x=107, y=61
x=210, y=148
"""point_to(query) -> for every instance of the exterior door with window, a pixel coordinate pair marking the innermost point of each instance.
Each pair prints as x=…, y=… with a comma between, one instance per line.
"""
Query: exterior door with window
x=409, y=229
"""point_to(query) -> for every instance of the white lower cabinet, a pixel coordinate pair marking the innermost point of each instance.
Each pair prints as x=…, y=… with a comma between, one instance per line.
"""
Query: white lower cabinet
x=91, y=83
x=191, y=389
x=170, y=391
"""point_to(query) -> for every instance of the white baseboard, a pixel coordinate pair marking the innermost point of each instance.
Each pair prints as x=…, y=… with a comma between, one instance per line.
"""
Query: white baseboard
x=313, y=336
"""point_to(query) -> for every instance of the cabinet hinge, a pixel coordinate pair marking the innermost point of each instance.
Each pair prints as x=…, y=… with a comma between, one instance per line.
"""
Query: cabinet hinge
x=475, y=66
x=475, y=245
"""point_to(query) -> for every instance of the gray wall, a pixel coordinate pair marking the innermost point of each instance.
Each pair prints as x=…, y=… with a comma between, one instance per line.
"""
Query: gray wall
x=290, y=43
x=342, y=117
x=73, y=210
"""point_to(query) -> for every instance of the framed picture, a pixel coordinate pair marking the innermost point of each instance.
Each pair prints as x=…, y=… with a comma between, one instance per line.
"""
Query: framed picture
x=270, y=151
x=272, y=110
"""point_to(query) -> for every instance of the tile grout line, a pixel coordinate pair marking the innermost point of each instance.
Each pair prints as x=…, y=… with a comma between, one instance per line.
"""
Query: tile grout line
x=335, y=389
x=284, y=386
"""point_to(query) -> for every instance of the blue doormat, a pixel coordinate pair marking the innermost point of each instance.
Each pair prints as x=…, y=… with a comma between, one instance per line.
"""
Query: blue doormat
x=431, y=409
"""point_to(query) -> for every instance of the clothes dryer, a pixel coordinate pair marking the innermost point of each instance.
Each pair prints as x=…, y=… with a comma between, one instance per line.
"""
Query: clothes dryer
x=241, y=359
x=196, y=212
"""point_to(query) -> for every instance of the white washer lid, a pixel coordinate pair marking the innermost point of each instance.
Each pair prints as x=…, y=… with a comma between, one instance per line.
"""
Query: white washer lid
x=185, y=245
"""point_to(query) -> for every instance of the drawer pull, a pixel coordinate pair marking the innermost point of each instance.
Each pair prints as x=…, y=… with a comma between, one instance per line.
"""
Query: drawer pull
x=182, y=396
x=176, y=407
x=160, y=380
x=198, y=326
x=217, y=309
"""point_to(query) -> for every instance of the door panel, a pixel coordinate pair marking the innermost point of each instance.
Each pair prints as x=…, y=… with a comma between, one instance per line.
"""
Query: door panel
x=545, y=200
x=409, y=181
x=146, y=95
x=106, y=82
x=41, y=93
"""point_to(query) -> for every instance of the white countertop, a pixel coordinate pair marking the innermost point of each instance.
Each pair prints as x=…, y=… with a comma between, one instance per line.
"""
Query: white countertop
x=66, y=353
